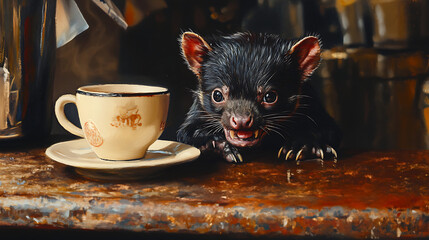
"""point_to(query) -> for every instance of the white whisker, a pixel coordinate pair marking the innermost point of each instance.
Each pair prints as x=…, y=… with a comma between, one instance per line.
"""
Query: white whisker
x=310, y=118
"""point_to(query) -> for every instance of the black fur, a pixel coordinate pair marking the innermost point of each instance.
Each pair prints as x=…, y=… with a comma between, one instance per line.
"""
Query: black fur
x=245, y=67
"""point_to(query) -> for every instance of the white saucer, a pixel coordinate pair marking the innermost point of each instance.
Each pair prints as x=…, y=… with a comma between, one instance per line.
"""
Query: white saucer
x=161, y=154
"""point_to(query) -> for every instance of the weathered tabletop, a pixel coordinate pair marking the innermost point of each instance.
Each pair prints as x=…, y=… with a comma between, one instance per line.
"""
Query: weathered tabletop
x=363, y=195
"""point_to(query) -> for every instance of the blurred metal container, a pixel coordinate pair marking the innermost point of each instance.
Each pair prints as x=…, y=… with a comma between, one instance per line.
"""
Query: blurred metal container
x=400, y=24
x=375, y=97
x=424, y=105
x=27, y=54
x=352, y=14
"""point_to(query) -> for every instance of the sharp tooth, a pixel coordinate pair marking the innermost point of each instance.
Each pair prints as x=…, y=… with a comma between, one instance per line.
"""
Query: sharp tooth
x=256, y=133
x=232, y=134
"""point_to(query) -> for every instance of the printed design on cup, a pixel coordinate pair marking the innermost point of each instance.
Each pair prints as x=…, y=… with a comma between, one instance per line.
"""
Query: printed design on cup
x=127, y=117
x=162, y=127
x=92, y=134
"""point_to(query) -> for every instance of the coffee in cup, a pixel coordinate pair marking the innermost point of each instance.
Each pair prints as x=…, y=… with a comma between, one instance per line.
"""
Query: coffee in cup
x=119, y=121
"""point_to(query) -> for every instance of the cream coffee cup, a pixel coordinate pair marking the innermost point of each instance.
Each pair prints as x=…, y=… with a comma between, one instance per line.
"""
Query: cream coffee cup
x=119, y=121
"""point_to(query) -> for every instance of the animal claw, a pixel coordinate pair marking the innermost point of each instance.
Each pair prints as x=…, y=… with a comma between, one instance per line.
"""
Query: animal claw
x=298, y=155
x=305, y=153
x=333, y=152
x=280, y=152
x=321, y=154
x=232, y=158
x=240, y=158
x=288, y=154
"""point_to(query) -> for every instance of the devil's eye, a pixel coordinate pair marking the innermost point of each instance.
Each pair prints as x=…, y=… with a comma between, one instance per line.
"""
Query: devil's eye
x=217, y=96
x=270, y=97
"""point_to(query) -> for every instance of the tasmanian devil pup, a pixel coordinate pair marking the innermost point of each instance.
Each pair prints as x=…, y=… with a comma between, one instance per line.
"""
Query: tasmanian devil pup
x=253, y=91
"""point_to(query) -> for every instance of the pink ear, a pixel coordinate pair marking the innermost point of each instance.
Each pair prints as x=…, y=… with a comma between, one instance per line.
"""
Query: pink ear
x=307, y=53
x=194, y=48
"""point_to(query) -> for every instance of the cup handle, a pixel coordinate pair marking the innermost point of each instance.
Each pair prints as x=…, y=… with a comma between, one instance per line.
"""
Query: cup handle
x=61, y=116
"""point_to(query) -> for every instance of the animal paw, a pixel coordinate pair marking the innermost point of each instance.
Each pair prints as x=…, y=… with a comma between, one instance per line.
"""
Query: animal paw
x=307, y=152
x=229, y=152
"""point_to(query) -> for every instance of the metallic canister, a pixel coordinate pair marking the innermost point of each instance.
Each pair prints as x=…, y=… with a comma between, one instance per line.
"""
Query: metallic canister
x=27, y=54
x=400, y=24
x=379, y=99
x=352, y=17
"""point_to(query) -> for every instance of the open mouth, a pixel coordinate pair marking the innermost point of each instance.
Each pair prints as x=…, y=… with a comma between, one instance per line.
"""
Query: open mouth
x=243, y=138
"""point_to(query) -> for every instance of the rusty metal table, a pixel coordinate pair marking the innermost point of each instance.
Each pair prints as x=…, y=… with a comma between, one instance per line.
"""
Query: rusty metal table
x=363, y=195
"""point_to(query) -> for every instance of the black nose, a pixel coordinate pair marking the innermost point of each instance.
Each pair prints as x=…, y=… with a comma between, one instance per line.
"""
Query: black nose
x=239, y=122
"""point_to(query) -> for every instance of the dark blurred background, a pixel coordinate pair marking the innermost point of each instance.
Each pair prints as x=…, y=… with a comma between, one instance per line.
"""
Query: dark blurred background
x=372, y=80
